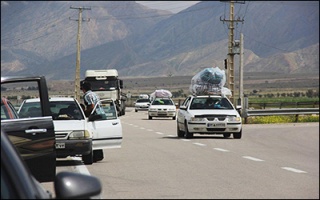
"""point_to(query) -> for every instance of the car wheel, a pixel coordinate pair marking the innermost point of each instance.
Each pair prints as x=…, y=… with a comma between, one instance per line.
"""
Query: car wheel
x=88, y=159
x=226, y=135
x=187, y=134
x=136, y=110
x=237, y=135
x=150, y=117
x=174, y=118
x=180, y=134
x=97, y=155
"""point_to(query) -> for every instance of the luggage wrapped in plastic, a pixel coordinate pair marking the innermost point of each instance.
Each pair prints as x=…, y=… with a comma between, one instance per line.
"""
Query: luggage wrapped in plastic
x=161, y=93
x=209, y=81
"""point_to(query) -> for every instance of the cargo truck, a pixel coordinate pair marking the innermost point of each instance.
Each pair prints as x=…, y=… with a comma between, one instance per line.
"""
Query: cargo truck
x=107, y=85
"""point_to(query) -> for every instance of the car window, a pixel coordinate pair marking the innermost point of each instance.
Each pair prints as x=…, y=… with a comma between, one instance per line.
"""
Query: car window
x=143, y=100
x=162, y=102
x=60, y=110
x=186, y=101
x=210, y=103
x=7, y=110
x=110, y=110
x=30, y=109
x=65, y=110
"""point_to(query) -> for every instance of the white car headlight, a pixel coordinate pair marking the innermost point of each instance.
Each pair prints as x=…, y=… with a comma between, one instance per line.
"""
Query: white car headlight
x=233, y=119
x=152, y=109
x=79, y=134
x=197, y=119
x=172, y=109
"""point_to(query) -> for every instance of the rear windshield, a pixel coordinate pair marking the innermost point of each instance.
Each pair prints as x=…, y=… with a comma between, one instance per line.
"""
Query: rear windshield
x=142, y=100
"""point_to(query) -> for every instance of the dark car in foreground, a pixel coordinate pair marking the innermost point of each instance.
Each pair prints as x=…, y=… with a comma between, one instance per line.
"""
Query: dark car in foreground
x=18, y=183
x=33, y=136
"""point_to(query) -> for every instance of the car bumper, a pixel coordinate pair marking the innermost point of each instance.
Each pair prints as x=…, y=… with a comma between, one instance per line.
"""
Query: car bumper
x=162, y=114
x=66, y=148
x=141, y=108
x=205, y=128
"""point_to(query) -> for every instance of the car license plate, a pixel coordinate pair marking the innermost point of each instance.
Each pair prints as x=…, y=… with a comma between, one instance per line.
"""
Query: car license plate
x=60, y=145
x=216, y=125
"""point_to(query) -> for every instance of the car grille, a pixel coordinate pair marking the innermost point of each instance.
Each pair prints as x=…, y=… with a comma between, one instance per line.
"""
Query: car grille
x=216, y=129
x=212, y=117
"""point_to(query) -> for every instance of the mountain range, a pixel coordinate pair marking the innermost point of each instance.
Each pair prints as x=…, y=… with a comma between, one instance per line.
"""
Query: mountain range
x=40, y=37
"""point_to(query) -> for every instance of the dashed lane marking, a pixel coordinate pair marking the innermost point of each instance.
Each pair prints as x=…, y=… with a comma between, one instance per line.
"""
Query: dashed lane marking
x=252, y=158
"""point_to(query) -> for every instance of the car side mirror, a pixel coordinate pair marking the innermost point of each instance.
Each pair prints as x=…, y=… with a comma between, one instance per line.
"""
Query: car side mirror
x=70, y=185
x=183, y=107
x=94, y=117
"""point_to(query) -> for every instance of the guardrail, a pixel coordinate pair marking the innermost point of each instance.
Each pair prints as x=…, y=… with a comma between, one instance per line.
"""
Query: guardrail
x=307, y=104
x=287, y=111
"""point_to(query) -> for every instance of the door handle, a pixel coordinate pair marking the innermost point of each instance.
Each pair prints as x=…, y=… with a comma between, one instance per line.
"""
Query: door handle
x=35, y=131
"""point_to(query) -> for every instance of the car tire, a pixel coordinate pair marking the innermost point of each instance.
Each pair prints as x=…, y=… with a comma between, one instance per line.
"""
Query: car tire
x=97, y=155
x=88, y=159
x=136, y=110
x=187, y=134
x=180, y=134
x=226, y=135
x=174, y=118
x=237, y=135
x=150, y=117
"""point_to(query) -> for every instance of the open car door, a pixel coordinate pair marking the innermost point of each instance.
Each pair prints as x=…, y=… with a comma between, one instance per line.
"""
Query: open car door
x=106, y=128
x=34, y=136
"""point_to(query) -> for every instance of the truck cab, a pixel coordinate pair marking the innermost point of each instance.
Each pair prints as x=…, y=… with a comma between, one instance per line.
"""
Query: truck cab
x=107, y=85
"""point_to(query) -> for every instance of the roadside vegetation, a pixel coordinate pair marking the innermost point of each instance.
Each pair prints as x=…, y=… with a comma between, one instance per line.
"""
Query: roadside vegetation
x=282, y=119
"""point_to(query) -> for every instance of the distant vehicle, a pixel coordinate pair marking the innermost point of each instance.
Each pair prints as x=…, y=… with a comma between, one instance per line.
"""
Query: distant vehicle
x=107, y=85
x=141, y=104
x=33, y=136
x=143, y=96
x=77, y=135
x=162, y=107
x=17, y=182
x=208, y=114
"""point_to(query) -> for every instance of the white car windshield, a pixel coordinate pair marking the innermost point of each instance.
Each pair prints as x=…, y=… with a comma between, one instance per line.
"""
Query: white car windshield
x=210, y=103
x=162, y=102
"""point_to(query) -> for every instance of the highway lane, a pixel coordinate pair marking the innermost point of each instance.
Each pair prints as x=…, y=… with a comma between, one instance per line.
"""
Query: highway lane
x=270, y=161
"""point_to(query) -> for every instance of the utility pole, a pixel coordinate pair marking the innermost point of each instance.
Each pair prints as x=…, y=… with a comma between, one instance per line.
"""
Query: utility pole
x=241, y=73
x=77, y=74
x=230, y=59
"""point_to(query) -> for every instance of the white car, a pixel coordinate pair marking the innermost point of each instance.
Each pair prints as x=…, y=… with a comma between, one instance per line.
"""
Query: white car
x=141, y=104
x=162, y=107
x=208, y=115
x=77, y=135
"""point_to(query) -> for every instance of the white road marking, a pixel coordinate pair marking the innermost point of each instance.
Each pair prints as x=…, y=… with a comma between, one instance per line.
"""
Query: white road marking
x=199, y=144
x=252, y=158
x=82, y=169
x=159, y=133
x=149, y=130
x=219, y=149
x=186, y=140
x=171, y=135
x=142, y=128
x=293, y=170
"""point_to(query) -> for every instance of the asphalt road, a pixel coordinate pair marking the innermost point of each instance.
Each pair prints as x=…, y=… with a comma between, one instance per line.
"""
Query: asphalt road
x=278, y=161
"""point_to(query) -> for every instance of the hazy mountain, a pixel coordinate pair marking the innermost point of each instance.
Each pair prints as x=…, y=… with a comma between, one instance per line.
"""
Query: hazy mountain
x=39, y=37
